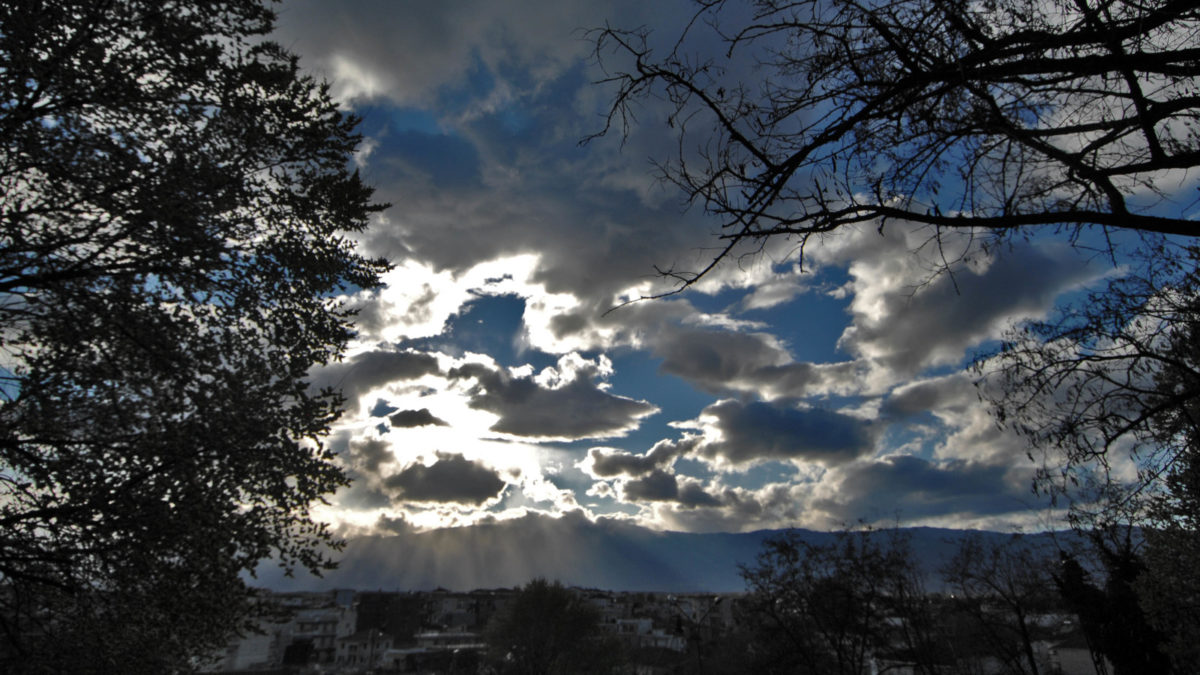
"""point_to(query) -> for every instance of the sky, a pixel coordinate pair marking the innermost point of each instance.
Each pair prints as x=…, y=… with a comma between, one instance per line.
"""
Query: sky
x=493, y=380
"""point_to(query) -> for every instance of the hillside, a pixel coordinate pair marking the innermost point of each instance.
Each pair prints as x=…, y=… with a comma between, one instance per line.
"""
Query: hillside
x=606, y=554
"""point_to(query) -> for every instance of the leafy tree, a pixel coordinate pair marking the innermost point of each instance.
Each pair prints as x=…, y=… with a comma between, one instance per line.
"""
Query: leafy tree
x=837, y=607
x=1170, y=587
x=1169, y=591
x=1111, y=616
x=959, y=114
x=172, y=242
x=547, y=630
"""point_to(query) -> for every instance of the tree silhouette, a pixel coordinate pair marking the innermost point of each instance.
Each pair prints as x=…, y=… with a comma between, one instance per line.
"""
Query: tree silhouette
x=999, y=588
x=994, y=116
x=839, y=606
x=547, y=629
x=172, y=243
x=1112, y=617
x=1105, y=391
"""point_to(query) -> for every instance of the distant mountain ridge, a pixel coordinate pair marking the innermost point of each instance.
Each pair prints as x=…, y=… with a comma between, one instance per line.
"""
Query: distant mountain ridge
x=608, y=554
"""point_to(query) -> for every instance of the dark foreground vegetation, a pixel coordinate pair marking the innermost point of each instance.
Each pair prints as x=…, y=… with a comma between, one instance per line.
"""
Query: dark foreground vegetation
x=856, y=605
x=175, y=206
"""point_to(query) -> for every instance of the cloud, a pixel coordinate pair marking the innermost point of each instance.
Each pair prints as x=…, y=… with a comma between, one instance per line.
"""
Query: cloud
x=736, y=434
x=914, y=488
x=910, y=314
x=781, y=430
x=692, y=495
x=368, y=370
x=360, y=496
x=478, y=148
x=415, y=418
x=968, y=430
x=951, y=493
x=369, y=454
x=372, y=49
x=955, y=391
x=774, y=505
x=394, y=525
x=722, y=361
x=608, y=462
x=480, y=145
x=571, y=408
x=658, y=485
x=718, y=360
x=451, y=478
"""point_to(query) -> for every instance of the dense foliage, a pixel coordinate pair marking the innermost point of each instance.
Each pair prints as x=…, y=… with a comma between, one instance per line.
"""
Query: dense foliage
x=856, y=603
x=176, y=198
x=547, y=629
x=838, y=607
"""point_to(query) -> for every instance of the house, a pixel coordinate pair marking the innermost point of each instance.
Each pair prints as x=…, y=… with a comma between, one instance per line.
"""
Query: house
x=364, y=649
x=320, y=628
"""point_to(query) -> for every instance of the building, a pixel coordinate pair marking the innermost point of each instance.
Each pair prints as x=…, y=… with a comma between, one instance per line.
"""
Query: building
x=362, y=650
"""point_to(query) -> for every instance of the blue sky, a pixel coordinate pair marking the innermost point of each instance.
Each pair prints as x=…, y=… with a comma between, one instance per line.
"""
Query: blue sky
x=490, y=382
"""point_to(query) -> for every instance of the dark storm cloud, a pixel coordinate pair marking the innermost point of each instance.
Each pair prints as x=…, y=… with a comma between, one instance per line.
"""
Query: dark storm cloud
x=607, y=463
x=360, y=496
x=576, y=410
x=363, y=372
x=369, y=454
x=452, y=478
x=914, y=488
x=781, y=431
x=416, y=418
x=658, y=485
x=692, y=495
